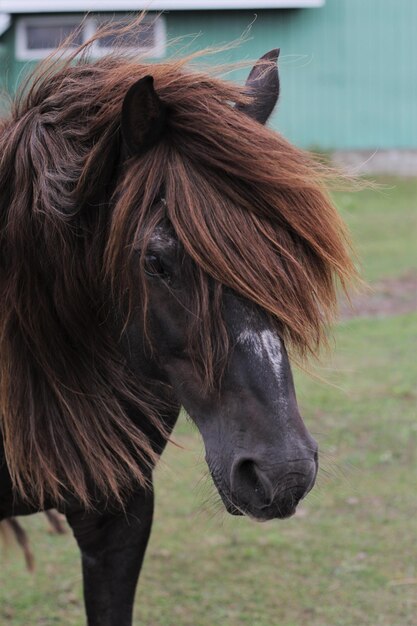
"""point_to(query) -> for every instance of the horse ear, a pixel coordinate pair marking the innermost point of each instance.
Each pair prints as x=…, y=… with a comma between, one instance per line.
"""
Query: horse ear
x=263, y=85
x=143, y=117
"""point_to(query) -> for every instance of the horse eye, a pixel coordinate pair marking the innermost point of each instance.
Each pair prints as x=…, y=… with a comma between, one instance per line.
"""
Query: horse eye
x=154, y=267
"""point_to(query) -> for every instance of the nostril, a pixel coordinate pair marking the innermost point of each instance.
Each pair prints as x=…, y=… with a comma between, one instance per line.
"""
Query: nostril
x=249, y=475
x=247, y=479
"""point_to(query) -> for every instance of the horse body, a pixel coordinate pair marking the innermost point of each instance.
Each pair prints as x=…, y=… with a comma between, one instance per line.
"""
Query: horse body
x=198, y=317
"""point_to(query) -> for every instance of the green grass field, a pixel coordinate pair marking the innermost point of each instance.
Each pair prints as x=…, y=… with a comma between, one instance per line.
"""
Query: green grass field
x=348, y=558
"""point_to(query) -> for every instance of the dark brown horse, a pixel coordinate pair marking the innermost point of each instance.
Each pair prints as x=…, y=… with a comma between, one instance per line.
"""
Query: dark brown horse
x=159, y=247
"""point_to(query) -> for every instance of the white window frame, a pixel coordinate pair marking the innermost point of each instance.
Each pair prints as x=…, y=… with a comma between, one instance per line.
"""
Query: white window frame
x=23, y=53
x=89, y=27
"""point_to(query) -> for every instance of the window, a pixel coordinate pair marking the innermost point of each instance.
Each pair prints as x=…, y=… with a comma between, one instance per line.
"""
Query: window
x=49, y=36
x=39, y=36
x=149, y=38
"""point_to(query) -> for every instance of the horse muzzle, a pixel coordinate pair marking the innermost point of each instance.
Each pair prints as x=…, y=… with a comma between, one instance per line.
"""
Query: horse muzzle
x=272, y=493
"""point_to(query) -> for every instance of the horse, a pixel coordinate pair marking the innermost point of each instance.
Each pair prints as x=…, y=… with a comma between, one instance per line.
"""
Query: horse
x=12, y=525
x=160, y=247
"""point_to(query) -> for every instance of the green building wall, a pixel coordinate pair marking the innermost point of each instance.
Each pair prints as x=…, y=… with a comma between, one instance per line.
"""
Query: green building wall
x=348, y=70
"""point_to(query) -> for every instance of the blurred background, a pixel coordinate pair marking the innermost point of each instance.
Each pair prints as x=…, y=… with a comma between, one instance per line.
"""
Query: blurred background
x=348, y=73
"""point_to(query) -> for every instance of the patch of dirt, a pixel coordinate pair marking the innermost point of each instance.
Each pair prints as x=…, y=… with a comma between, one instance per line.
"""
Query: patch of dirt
x=390, y=296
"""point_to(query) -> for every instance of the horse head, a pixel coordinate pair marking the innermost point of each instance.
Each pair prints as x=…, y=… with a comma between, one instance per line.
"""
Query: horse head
x=152, y=203
x=261, y=457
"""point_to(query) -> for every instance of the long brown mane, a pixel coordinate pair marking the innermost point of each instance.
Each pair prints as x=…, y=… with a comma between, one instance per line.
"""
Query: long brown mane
x=250, y=210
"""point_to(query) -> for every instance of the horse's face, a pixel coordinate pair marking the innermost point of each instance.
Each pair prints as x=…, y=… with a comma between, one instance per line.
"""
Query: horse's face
x=261, y=457
x=260, y=454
